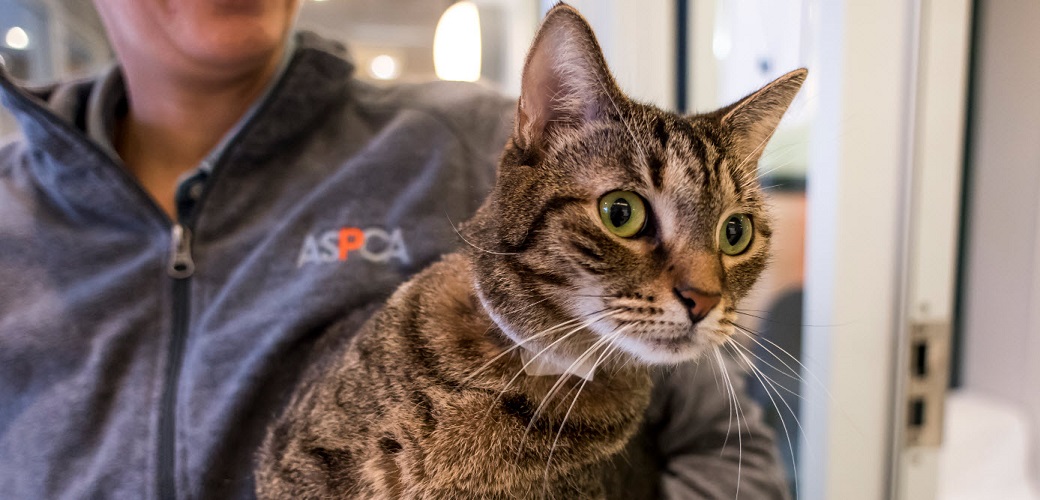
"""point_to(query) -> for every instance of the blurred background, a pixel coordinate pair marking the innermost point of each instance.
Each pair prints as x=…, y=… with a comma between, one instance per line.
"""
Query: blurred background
x=896, y=337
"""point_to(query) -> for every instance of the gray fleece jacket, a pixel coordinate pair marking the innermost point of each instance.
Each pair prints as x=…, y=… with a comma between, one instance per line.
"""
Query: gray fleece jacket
x=142, y=357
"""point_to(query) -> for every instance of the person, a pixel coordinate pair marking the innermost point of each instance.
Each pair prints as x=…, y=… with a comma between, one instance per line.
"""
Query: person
x=177, y=233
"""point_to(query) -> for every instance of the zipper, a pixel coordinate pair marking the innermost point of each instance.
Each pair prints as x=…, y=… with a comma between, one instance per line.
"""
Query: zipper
x=181, y=266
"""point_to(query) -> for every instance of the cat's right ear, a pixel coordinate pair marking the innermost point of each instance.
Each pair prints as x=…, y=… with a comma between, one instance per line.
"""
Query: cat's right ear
x=753, y=119
x=565, y=82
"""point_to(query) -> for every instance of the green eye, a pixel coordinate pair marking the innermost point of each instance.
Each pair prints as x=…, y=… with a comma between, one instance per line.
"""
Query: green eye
x=623, y=212
x=735, y=235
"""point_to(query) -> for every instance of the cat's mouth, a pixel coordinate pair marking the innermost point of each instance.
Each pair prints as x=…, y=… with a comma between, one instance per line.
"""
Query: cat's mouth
x=667, y=348
x=661, y=333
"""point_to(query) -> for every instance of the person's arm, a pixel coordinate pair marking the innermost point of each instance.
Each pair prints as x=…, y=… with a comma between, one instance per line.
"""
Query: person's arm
x=695, y=425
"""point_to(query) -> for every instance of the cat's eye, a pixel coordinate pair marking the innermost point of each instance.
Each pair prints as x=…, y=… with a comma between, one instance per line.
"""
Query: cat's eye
x=623, y=212
x=735, y=234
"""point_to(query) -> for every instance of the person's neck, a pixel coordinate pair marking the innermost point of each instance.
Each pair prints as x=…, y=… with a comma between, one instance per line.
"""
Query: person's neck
x=174, y=122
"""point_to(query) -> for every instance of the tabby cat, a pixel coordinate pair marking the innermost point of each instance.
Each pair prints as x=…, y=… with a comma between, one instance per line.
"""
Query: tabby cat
x=617, y=236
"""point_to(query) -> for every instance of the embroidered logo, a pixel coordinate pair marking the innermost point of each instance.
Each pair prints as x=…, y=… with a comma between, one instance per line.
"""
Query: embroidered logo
x=373, y=244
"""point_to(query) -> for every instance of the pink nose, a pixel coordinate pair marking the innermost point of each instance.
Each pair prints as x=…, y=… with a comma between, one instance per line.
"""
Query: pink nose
x=698, y=302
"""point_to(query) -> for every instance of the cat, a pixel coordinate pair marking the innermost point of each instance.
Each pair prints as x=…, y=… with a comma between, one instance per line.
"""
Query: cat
x=617, y=236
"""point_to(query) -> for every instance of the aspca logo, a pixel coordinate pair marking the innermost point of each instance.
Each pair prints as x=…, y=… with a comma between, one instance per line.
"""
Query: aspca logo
x=339, y=245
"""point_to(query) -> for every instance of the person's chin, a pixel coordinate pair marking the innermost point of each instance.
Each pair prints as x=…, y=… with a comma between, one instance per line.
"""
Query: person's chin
x=237, y=44
x=242, y=7
x=234, y=31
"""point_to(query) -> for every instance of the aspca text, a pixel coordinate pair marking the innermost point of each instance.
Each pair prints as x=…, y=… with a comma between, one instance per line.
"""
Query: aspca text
x=340, y=245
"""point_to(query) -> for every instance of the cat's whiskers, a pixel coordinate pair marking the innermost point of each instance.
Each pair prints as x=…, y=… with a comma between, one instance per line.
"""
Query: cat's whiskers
x=750, y=176
x=753, y=152
x=492, y=324
x=718, y=386
x=589, y=296
x=747, y=312
x=789, y=372
x=473, y=244
x=628, y=127
x=505, y=352
x=756, y=338
x=611, y=347
x=619, y=367
x=774, y=169
x=776, y=152
x=562, y=378
x=765, y=343
x=729, y=398
x=530, y=338
x=586, y=324
x=733, y=404
x=628, y=360
x=559, y=382
x=736, y=401
x=767, y=384
x=751, y=310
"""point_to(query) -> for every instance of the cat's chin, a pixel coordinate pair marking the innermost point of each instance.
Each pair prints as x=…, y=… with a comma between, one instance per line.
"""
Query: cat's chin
x=684, y=343
x=667, y=350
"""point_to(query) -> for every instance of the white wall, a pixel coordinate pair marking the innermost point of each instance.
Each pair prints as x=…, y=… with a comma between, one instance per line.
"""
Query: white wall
x=1002, y=287
x=854, y=248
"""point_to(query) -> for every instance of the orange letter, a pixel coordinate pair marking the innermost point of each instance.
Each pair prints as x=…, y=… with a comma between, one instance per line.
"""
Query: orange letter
x=350, y=238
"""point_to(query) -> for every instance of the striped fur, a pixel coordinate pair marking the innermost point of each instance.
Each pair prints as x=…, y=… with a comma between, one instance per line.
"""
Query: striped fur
x=430, y=399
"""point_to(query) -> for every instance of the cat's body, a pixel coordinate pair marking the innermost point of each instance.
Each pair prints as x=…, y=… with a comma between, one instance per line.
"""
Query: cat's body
x=410, y=425
x=617, y=236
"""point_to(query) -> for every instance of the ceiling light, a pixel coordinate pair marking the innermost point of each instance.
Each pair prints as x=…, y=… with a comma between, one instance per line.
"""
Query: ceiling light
x=384, y=67
x=456, y=43
x=16, y=38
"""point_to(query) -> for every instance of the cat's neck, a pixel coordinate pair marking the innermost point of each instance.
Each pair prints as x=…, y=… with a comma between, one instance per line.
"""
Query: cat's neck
x=484, y=356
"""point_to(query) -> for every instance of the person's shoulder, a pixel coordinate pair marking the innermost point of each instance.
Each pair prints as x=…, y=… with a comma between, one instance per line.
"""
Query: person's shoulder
x=471, y=109
x=38, y=106
x=450, y=98
x=474, y=111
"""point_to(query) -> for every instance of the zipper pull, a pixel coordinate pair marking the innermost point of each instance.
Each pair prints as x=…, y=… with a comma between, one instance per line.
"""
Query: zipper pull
x=181, y=264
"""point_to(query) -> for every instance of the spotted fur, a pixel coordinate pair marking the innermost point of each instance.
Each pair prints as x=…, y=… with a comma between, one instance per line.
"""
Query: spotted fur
x=431, y=399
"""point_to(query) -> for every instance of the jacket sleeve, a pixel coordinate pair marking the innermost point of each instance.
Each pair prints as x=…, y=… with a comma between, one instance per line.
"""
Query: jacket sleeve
x=707, y=449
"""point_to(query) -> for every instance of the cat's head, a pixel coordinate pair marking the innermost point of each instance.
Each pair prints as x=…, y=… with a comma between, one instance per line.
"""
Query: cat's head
x=615, y=225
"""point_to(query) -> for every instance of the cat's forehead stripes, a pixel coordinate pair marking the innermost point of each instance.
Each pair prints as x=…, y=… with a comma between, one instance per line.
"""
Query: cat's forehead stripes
x=661, y=132
x=707, y=155
x=691, y=148
x=604, y=146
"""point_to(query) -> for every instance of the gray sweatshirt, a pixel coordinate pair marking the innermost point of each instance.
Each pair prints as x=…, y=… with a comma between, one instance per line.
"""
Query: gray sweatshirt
x=142, y=357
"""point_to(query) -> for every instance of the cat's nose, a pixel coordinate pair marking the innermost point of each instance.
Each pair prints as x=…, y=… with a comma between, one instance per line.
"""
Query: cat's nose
x=698, y=302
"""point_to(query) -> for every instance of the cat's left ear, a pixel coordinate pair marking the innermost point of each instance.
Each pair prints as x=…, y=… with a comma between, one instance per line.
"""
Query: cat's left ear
x=753, y=119
x=565, y=81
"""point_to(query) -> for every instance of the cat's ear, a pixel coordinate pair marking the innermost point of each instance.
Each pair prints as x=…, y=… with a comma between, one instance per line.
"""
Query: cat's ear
x=565, y=80
x=752, y=120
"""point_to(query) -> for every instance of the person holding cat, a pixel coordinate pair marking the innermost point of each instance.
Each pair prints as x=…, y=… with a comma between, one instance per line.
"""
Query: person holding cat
x=179, y=235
